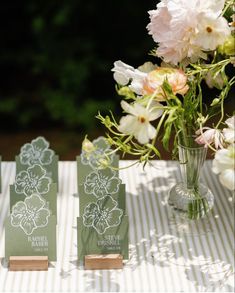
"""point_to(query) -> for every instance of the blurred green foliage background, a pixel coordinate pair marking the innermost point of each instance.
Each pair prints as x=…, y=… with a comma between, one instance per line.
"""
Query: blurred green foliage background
x=56, y=58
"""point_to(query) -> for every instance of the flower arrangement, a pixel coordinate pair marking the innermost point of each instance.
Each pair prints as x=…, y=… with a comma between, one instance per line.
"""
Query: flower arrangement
x=195, y=43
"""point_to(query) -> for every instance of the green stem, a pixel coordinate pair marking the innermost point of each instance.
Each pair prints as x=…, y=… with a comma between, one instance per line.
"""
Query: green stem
x=229, y=3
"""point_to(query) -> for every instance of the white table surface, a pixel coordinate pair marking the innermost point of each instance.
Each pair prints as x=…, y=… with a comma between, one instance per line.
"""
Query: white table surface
x=166, y=254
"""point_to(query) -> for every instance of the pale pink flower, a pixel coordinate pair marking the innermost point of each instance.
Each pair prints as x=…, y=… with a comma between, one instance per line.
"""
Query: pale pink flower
x=185, y=29
x=154, y=81
x=209, y=137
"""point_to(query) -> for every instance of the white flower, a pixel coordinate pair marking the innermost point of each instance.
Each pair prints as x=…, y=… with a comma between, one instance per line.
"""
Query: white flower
x=184, y=29
x=137, y=123
x=229, y=133
x=212, y=32
x=224, y=164
x=124, y=73
x=210, y=136
x=213, y=6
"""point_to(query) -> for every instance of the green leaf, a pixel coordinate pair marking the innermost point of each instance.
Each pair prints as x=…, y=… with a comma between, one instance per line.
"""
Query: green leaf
x=166, y=137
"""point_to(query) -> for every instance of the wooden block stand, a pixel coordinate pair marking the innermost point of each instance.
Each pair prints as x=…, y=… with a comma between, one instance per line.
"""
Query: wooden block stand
x=103, y=261
x=28, y=263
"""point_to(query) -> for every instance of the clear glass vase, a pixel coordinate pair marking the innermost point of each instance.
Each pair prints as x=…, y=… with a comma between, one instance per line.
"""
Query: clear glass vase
x=190, y=198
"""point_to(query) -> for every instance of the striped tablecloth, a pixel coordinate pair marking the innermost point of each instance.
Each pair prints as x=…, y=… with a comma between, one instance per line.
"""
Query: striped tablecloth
x=166, y=254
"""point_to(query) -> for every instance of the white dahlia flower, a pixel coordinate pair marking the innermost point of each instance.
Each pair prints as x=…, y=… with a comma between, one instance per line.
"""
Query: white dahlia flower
x=186, y=29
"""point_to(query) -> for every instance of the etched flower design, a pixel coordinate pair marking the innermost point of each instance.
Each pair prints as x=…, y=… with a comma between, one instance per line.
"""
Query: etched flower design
x=97, y=156
x=33, y=180
x=36, y=152
x=102, y=182
x=30, y=214
x=102, y=215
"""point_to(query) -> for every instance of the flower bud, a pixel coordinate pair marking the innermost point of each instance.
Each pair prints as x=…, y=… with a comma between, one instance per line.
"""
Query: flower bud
x=228, y=47
x=126, y=92
x=201, y=119
x=215, y=102
x=87, y=146
x=103, y=163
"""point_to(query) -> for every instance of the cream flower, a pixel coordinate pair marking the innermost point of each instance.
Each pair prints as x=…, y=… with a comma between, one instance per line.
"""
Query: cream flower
x=229, y=133
x=181, y=28
x=210, y=136
x=212, y=81
x=154, y=81
x=147, y=67
x=224, y=165
x=137, y=123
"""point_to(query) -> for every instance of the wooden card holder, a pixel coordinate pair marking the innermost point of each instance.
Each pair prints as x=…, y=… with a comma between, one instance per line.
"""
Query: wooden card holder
x=28, y=263
x=103, y=261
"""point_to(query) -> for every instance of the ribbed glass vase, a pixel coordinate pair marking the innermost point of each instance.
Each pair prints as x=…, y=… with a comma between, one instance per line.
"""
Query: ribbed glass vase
x=190, y=198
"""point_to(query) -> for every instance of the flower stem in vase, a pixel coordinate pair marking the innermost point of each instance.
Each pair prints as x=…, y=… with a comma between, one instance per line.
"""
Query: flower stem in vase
x=190, y=197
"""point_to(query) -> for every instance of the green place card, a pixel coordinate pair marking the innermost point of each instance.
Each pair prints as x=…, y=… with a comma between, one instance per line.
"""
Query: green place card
x=114, y=240
x=38, y=153
x=31, y=229
x=103, y=224
x=102, y=227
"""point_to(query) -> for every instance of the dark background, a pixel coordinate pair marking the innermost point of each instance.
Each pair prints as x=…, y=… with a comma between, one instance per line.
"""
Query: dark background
x=56, y=59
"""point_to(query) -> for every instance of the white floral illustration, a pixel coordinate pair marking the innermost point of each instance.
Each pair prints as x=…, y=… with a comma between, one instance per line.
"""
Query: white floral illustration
x=36, y=152
x=102, y=215
x=33, y=180
x=30, y=214
x=102, y=182
x=98, y=156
